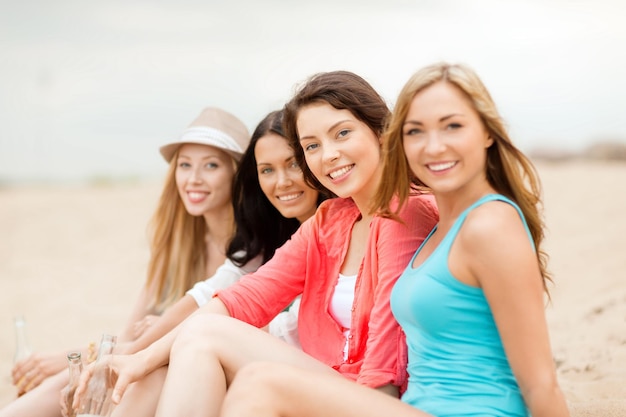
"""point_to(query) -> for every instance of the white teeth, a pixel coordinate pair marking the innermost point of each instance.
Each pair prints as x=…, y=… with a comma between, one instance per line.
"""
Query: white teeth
x=340, y=172
x=289, y=197
x=442, y=166
x=196, y=195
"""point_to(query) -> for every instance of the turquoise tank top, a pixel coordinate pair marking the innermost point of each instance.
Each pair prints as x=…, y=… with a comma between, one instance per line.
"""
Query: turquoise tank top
x=457, y=365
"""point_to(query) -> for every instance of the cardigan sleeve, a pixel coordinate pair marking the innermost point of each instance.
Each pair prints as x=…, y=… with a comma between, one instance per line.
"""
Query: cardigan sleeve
x=394, y=242
x=258, y=297
x=226, y=275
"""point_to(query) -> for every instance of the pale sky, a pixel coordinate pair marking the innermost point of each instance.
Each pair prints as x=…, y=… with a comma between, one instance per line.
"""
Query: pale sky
x=91, y=89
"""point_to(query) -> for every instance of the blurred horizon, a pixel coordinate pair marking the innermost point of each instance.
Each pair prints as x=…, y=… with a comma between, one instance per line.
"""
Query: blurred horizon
x=90, y=90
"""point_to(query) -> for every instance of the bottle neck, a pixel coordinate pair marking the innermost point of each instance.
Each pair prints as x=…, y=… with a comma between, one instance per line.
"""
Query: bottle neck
x=22, y=348
x=75, y=366
x=107, y=344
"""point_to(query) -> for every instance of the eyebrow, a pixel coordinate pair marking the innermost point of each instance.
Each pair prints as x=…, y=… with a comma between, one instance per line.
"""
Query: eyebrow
x=443, y=119
x=217, y=156
x=269, y=163
x=333, y=126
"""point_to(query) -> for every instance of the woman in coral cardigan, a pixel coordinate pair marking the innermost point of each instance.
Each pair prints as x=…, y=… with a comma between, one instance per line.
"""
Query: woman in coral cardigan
x=343, y=260
x=471, y=300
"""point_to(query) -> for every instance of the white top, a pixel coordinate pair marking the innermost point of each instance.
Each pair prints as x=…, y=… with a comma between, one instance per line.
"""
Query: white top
x=226, y=275
x=340, y=307
x=284, y=325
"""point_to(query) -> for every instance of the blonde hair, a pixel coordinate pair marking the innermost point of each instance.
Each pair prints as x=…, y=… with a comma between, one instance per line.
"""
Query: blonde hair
x=177, y=246
x=508, y=170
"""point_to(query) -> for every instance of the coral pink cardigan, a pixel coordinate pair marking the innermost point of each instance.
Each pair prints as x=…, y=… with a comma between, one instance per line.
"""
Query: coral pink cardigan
x=309, y=264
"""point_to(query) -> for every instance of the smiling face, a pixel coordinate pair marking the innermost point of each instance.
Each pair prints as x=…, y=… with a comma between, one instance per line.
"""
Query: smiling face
x=445, y=140
x=204, y=177
x=281, y=178
x=341, y=151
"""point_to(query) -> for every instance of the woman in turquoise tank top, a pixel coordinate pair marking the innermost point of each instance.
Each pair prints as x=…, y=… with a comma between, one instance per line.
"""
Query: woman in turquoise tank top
x=471, y=302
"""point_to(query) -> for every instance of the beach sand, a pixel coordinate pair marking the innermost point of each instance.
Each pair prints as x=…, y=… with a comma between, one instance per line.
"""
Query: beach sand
x=73, y=259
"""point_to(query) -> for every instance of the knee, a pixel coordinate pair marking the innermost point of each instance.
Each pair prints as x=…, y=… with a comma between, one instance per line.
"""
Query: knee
x=201, y=333
x=256, y=386
x=259, y=374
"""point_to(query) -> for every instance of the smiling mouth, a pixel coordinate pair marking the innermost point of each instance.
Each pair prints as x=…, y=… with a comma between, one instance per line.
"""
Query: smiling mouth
x=340, y=172
x=441, y=166
x=289, y=197
x=195, y=196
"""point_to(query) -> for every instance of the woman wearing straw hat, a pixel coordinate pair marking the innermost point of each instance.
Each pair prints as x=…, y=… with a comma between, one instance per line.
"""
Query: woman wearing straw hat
x=344, y=261
x=190, y=232
x=271, y=200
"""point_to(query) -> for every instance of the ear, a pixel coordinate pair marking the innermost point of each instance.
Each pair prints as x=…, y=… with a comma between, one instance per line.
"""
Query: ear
x=488, y=141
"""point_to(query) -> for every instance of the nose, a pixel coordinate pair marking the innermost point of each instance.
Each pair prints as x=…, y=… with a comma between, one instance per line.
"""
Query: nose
x=194, y=176
x=330, y=151
x=284, y=180
x=434, y=143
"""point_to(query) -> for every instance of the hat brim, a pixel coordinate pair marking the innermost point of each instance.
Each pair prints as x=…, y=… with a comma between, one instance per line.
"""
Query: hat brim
x=203, y=136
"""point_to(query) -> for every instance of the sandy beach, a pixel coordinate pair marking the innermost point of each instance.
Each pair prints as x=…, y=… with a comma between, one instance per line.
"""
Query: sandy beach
x=73, y=258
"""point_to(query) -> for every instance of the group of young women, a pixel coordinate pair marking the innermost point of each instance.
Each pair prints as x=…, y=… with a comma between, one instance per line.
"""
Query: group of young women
x=422, y=277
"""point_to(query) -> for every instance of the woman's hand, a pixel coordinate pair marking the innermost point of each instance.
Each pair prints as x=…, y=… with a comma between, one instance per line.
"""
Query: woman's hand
x=30, y=372
x=144, y=324
x=65, y=401
x=121, y=371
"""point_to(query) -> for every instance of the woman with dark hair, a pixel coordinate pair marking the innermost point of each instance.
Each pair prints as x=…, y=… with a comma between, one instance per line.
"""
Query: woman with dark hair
x=263, y=224
x=471, y=300
x=270, y=200
x=344, y=261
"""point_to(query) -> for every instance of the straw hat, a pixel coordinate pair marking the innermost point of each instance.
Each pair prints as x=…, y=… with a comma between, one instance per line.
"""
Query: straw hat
x=213, y=127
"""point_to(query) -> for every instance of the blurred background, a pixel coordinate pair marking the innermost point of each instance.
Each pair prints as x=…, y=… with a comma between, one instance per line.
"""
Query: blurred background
x=88, y=90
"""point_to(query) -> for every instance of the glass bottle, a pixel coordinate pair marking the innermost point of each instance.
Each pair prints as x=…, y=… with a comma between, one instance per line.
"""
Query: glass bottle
x=75, y=365
x=96, y=401
x=22, y=347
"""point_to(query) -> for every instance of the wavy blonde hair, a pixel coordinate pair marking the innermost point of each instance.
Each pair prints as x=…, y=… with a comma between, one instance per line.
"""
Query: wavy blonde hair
x=508, y=170
x=177, y=246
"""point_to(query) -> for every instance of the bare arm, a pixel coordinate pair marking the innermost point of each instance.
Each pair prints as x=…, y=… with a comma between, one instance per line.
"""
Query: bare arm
x=126, y=369
x=169, y=320
x=139, y=311
x=201, y=294
x=501, y=259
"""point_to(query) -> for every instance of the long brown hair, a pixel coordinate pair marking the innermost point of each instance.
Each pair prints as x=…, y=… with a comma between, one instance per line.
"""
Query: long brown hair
x=508, y=170
x=343, y=90
x=177, y=246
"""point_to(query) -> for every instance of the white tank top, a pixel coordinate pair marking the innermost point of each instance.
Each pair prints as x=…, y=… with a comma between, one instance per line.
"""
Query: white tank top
x=341, y=306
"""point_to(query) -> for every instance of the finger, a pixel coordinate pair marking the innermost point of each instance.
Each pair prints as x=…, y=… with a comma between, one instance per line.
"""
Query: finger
x=19, y=370
x=138, y=329
x=20, y=382
x=120, y=388
x=63, y=402
x=24, y=381
x=82, y=385
x=34, y=382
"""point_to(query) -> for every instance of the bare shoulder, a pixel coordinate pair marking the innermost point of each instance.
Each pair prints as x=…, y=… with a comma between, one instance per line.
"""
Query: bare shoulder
x=497, y=249
x=493, y=226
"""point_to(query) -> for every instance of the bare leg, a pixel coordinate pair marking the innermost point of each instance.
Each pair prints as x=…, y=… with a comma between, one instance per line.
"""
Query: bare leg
x=42, y=401
x=142, y=397
x=265, y=389
x=206, y=355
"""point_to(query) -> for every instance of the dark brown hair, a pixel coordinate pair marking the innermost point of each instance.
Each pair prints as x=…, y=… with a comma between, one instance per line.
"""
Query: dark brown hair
x=343, y=90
